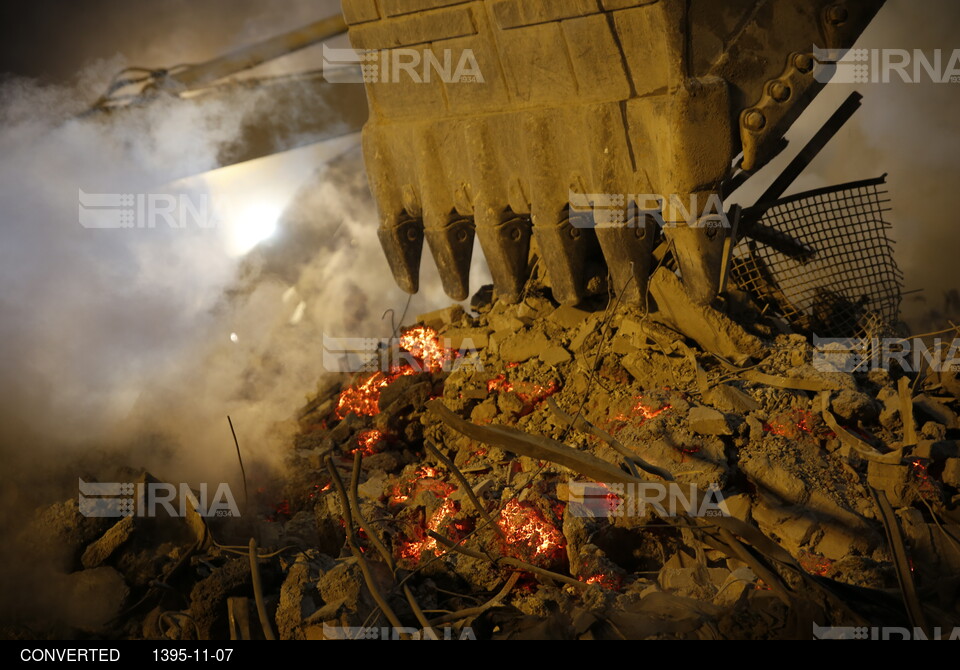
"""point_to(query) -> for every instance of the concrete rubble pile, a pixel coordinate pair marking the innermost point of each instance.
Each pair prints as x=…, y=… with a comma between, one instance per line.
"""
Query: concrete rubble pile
x=510, y=472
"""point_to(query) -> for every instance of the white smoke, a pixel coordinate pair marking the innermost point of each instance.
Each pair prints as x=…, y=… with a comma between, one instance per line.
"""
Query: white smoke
x=127, y=339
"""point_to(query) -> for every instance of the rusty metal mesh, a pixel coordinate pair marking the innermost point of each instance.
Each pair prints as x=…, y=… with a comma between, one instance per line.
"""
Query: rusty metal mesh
x=852, y=285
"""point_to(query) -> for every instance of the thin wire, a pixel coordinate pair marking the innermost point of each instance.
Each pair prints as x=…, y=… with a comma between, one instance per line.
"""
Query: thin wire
x=246, y=498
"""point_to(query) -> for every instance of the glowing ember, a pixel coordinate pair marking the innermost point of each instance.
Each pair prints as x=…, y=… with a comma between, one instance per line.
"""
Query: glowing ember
x=426, y=478
x=527, y=530
x=423, y=343
x=317, y=489
x=648, y=412
x=475, y=455
x=797, y=423
x=499, y=383
x=281, y=512
x=530, y=394
x=363, y=399
x=926, y=485
x=368, y=441
x=640, y=410
x=814, y=564
x=413, y=550
x=611, y=581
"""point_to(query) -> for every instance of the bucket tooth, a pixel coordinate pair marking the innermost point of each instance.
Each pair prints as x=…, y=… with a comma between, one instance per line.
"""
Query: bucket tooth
x=628, y=251
x=452, y=249
x=505, y=240
x=403, y=245
x=565, y=248
x=699, y=252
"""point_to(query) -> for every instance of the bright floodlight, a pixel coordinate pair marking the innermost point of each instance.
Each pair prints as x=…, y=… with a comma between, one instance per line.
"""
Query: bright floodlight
x=253, y=224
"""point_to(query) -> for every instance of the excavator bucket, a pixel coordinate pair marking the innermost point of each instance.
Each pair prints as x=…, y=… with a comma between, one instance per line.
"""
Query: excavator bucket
x=578, y=131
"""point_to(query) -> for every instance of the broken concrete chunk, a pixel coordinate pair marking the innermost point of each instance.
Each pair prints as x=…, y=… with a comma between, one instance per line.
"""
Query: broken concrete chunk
x=892, y=479
x=568, y=317
x=298, y=600
x=735, y=585
x=755, y=424
x=951, y=472
x=372, y=488
x=467, y=339
x=772, y=475
x=60, y=533
x=442, y=317
x=935, y=410
x=302, y=527
x=555, y=355
x=853, y=405
x=636, y=333
x=738, y=506
x=485, y=411
x=586, y=329
x=838, y=541
x=623, y=346
x=408, y=390
x=790, y=527
x=707, y=421
x=890, y=414
x=933, y=430
x=730, y=399
x=523, y=346
x=504, y=324
x=99, y=551
x=713, y=331
x=533, y=308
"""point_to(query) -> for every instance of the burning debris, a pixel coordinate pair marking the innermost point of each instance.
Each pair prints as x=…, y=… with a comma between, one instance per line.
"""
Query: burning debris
x=574, y=482
x=670, y=459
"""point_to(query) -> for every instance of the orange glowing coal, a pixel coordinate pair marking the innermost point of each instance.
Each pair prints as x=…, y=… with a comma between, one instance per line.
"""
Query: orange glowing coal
x=530, y=394
x=797, y=423
x=648, y=412
x=529, y=535
x=610, y=581
x=363, y=399
x=368, y=441
x=814, y=563
x=413, y=549
x=421, y=342
x=640, y=411
x=927, y=485
x=425, y=344
x=425, y=478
